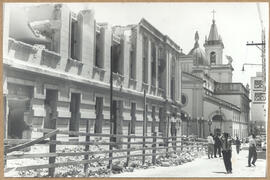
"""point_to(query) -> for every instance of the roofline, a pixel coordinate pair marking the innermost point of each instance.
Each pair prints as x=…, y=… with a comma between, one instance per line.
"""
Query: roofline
x=165, y=38
x=193, y=76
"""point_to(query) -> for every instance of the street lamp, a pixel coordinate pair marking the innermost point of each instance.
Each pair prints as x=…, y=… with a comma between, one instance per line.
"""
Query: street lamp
x=189, y=117
x=200, y=120
x=186, y=118
x=249, y=64
x=210, y=124
x=198, y=128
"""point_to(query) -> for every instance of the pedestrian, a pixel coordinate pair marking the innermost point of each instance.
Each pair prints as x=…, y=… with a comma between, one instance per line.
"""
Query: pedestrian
x=217, y=146
x=210, y=141
x=238, y=144
x=227, y=152
x=252, y=153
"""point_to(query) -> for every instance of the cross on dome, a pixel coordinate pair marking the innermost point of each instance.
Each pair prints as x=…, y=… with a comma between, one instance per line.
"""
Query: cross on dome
x=213, y=14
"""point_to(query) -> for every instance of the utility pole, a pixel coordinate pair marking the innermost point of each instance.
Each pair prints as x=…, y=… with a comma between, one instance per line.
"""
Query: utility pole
x=261, y=47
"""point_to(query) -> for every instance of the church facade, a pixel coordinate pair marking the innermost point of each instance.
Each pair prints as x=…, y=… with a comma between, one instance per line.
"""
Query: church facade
x=212, y=103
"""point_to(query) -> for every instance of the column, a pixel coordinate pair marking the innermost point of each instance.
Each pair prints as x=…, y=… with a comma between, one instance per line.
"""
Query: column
x=157, y=85
x=167, y=75
x=149, y=59
x=87, y=46
x=105, y=50
x=63, y=35
x=138, y=56
x=125, y=55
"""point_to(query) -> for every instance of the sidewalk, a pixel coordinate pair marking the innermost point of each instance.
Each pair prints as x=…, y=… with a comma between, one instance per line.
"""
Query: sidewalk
x=204, y=167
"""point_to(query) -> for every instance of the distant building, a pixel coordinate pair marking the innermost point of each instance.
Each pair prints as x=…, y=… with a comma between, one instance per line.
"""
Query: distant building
x=57, y=73
x=211, y=101
x=258, y=109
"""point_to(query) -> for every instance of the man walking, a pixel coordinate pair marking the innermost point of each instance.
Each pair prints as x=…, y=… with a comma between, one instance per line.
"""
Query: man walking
x=227, y=152
x=217, y=146
x=238, y=144
x=210, y=141
x=252, y=151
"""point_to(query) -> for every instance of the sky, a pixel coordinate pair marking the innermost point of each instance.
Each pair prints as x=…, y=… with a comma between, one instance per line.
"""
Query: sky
x=237, y=23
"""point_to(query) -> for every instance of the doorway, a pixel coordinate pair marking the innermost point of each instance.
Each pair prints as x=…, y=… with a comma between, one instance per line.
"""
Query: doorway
x=99, y=115
x=117, y=112
x=51, y=109
x=75, y=113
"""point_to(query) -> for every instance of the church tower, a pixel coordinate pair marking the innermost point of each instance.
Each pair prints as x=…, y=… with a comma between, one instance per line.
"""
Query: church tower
x=214, y=54
x=214, y=45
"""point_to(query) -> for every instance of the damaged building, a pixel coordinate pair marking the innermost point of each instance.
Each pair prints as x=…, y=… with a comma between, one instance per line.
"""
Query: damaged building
x=56, y=74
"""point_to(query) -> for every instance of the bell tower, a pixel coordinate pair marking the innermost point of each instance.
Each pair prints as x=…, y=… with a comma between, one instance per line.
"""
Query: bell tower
x=213, y=45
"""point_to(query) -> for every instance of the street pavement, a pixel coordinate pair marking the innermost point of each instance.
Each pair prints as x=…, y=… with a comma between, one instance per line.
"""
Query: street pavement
x=204, y=167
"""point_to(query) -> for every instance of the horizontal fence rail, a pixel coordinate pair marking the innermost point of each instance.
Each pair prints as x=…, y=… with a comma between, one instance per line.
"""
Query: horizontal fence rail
x=128, y=144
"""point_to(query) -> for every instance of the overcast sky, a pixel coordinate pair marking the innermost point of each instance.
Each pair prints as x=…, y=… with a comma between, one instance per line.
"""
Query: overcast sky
x=237, y=23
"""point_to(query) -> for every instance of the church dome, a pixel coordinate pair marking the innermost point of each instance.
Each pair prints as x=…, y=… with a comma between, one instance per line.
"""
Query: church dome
x=199, y=57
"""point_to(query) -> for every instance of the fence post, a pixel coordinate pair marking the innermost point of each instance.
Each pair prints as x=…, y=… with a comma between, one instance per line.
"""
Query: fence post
x=128, y=140
x=143, y=151
x=154, y=148
x=111, y=146
x=87, y=139
x=52, y=147
x=167, y=146
x=181, y=139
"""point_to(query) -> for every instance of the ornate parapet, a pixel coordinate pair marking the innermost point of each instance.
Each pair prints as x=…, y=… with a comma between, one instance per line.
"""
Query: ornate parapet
x=74, y=62
x=97, y=71
x=118, y=79
x=153, y=89
x=161, y=92
x=50, y=58
x=145, y=86
x=20, y=50
x=132, y=83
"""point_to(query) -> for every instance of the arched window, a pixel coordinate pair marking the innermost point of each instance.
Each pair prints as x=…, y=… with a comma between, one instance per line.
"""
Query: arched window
x=212, y=58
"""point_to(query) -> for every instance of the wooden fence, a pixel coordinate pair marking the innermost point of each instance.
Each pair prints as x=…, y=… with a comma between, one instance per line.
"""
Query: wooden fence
x=148, y=146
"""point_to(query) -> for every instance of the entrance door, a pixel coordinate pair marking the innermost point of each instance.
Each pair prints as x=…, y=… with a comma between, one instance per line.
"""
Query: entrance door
x=75, y=113
x=99, y=115
x=153, y=128
x=16, y=123
x=51, y=109
x=117, y=112
x=133, y=117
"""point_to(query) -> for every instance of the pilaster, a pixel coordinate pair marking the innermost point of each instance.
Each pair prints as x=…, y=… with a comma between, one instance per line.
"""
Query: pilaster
x=125, y=55
x=106, y=42
x=88, y=37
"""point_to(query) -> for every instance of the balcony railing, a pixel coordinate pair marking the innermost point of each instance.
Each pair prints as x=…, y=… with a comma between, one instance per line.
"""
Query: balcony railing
x=231, y=88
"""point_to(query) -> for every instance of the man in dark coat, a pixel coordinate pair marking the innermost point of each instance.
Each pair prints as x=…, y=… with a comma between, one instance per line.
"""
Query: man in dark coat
x=217, y=146
x=238, y=144
x=227, y=152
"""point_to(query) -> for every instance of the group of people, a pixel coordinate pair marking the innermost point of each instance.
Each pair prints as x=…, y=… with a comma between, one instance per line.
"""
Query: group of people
x=223, y=144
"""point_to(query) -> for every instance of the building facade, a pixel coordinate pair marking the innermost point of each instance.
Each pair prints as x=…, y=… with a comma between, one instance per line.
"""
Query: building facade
x=211, y=101
x=56, y=74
